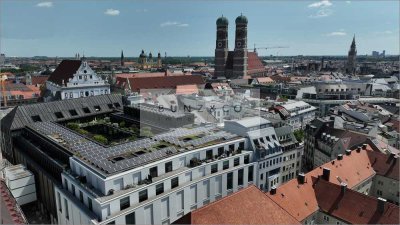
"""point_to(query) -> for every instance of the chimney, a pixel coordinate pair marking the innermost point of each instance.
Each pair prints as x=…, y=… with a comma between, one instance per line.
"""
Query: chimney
x=343, y=187
x=301, y=178
x=381, y=205
x=340, y=157
x=326, y=172
x=348, y=152
x=364, y=146
x=358, y=148
x=273, y=190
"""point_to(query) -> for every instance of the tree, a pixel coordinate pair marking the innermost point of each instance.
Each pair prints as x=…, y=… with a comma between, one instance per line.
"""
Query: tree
x=146, y=132
x=73, y=126
x=299, y=134
x=100, y=138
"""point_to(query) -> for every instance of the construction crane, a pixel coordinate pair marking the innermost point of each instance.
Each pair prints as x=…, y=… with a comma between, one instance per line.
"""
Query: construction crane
x=3, y=78
x=266, y=48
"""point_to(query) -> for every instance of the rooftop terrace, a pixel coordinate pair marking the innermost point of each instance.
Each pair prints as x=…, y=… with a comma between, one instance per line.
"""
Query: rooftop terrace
x=108, y=160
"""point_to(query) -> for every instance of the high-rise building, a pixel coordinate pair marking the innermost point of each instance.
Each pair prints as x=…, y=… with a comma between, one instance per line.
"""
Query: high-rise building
x=351, y=59
x=2, y=59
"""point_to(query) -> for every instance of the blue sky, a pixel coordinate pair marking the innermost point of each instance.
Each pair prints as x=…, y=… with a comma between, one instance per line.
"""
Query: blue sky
x=180, y=28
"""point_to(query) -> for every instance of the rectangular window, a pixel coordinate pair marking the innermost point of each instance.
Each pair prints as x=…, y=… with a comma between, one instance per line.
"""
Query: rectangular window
x=220, y=151
x=36, y=118
x=86, y=110
x=153, y=172
x=246, y=159
x=261, y=176
x=240, y=177
x=214, y=168
x=81, y=196
x=250, y=173
x=209, y=154
x=180, y=201
x=225, y=165
x=174, y=182
x=130, y=218
x=142, y=195
x=193, y=194
x=59, y=202
x=159, y=188
x=124, y=203
x=241, y=145
x=218, y=185
x=73, y=112
x=236, y=162
x=66, y=209
x=229, y=181
x=73, y=189
x=206, y=192
x=59, y=115
x=90, y=203
x=168, y=167
x=97, y=108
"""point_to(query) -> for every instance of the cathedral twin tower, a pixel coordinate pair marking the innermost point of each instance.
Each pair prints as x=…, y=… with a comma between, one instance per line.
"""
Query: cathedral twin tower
x=231, y=64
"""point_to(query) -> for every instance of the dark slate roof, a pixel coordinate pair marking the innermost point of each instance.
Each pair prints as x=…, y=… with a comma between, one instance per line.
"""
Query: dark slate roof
x=22, y=115
x=65, y=70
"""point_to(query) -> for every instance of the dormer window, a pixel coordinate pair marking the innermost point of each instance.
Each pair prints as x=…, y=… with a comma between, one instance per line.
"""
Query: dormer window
x=91, y=77
x=85, y=77
x=80, y=77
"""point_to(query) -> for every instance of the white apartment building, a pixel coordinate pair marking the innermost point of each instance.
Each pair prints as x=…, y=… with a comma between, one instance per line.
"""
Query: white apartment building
x=157, y=187
x=75, y=79
x=297, y=113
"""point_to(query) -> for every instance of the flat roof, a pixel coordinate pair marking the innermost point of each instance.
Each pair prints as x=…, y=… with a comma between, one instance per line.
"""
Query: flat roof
x=109, y=160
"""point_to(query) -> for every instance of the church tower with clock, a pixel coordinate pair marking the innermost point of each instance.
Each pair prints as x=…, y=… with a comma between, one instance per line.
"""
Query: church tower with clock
x=221, y=50
x=240, y=52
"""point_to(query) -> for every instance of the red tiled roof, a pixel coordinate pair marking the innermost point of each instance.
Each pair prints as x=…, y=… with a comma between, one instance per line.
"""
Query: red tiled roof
x=262, y=80
x=65, y=70
x=168, y=82
x=186, y=89
x=353, y=207
x=247, y=206
x=39, y=79
x=300, y=200
x=385, y=165
x=254, y=62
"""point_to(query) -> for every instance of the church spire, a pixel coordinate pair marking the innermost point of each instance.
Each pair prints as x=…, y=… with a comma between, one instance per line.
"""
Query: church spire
x=122, y=58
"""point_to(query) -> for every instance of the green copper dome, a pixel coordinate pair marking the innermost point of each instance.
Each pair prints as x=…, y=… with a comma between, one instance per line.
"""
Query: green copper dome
x=222, y=21
x=143, y=55
x=241, y=19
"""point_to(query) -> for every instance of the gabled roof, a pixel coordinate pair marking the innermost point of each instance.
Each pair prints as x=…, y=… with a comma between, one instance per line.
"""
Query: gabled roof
x=22, y=115
x=352, y=206
x=300, y=201
x=64, y=71
x=247, y=206
x=385, y=165
x=254, y=62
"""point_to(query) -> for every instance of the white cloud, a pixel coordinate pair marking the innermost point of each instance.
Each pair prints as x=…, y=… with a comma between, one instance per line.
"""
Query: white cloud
x=112, y=12
x=348, y=2
x=337, y=33
x=173, y=23
x=45, y=4
x=322, y=13
x=320, y=4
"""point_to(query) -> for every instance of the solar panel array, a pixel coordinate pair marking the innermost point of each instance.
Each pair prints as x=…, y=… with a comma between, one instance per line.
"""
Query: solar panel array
x=198, y=136
x=112, y=159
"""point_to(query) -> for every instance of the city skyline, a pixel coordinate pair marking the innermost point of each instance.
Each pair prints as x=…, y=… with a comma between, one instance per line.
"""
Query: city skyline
x=103, y=29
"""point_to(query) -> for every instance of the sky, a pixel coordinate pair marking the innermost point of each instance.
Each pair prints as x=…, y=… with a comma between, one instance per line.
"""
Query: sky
x=181, y=28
